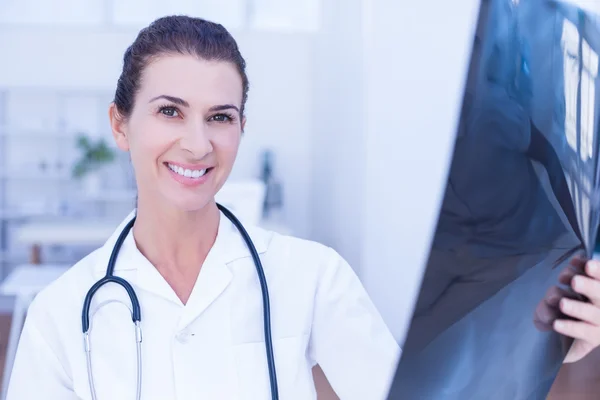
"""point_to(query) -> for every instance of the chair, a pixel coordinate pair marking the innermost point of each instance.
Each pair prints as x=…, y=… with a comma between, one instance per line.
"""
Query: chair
x=24, y=283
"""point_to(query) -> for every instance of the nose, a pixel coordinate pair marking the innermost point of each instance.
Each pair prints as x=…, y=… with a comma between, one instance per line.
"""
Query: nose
x=196, y=140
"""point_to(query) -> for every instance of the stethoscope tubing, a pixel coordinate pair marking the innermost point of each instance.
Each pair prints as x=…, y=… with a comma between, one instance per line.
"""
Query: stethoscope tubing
x=136, y=314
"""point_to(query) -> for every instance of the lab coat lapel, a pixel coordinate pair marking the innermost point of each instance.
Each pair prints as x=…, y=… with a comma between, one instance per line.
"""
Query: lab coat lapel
x=216, y=274
x=132, y=266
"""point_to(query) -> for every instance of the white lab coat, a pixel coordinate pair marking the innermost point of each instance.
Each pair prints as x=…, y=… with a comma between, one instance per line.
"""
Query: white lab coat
x=211, y=348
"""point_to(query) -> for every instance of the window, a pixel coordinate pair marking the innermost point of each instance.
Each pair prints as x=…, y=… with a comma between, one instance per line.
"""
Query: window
x=579, y=103
x=270, y=15
x=588, y=99
x=55, y=12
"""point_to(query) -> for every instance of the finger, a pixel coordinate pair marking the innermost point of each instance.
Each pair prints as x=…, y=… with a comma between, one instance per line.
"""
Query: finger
x=542, y=326
x=588, y=287
x=578, y=330
x=553, y=296
x=592, y=268
x=548, y=310
x=566, y=275
x=584, y=312
x=578, y=262
x=544, y=316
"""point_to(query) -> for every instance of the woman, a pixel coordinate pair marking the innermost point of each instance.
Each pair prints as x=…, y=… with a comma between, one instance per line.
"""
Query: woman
x=179, y=112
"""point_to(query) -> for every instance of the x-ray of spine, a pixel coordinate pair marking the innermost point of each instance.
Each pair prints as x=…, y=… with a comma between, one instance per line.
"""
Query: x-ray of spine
x=520, y=208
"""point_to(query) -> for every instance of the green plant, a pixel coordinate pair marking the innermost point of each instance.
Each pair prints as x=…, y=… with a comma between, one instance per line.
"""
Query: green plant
x=94, y=155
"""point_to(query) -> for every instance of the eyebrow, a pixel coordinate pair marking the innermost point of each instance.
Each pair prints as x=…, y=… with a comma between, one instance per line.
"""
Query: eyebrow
x=224, y=107
x=172, y=99
x=184, y=103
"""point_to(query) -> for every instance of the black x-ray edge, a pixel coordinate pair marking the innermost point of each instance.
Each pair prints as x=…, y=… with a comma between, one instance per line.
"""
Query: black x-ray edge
x=473, y=334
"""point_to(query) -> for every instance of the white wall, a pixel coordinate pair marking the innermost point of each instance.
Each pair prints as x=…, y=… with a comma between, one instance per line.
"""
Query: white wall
x=387, y=102
x=89, y=59
x=416, y=58
x=279, y=117
x=339, y=138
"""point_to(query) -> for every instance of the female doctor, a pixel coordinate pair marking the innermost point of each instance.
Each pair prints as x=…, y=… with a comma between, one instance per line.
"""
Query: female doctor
x=179, y=111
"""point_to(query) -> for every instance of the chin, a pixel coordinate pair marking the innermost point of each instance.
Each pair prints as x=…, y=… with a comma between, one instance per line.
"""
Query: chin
x=189, y=203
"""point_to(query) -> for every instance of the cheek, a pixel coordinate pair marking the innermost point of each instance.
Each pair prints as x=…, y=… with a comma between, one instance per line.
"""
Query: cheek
x=227, y=146
x=148, y=142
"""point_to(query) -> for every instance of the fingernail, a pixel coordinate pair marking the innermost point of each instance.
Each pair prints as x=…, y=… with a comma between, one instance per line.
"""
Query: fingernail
x=576, y=282
x=559, y=324
x=593, y=266
x=565, y=304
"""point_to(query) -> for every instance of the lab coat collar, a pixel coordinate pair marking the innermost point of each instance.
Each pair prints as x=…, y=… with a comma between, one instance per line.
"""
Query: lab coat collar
x=215, y=275
x=229, y=246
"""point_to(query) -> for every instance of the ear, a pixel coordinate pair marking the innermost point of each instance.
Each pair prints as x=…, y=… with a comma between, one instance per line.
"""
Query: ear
x=243, y=124
x=118, y=127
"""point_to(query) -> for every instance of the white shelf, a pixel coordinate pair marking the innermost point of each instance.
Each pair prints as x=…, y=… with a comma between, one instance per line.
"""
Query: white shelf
x=52, y=133
x=36, y=135
x=110, y=196
x=66, y=232
x=13, y=214
x=16, y=175
x=106, y=196
x=6, y=257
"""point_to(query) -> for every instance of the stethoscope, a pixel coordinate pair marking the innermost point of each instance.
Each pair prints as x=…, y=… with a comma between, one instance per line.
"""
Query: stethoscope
x=137, y=316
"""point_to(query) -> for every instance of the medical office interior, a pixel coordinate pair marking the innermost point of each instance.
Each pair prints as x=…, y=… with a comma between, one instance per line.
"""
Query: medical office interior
x=352, y=112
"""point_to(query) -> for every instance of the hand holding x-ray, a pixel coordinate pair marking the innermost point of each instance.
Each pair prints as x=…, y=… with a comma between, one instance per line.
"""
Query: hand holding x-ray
x=574, y=312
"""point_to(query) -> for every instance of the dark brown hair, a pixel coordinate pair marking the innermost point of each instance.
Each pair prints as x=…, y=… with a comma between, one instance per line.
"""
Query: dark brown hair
x=176, y=35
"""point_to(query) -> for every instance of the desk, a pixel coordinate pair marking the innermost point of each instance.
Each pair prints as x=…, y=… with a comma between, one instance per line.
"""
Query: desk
x=23, y=283
x=68, y=232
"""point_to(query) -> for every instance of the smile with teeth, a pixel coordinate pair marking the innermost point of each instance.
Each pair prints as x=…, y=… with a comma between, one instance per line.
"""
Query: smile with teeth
x=188, y=173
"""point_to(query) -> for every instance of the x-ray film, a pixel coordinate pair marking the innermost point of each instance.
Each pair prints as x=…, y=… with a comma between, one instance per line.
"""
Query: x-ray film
x=520, y=210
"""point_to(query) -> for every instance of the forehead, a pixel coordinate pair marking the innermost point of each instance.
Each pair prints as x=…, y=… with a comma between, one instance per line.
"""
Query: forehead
x=195, y=80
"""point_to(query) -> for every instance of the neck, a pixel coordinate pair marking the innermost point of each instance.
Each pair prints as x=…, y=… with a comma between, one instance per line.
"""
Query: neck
x=173, y=239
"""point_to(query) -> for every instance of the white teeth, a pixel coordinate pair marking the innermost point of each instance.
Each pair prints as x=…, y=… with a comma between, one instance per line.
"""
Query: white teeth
x=188, y=173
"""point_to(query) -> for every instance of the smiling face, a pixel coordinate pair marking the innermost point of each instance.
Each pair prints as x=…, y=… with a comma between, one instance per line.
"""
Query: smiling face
x=184, y=130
